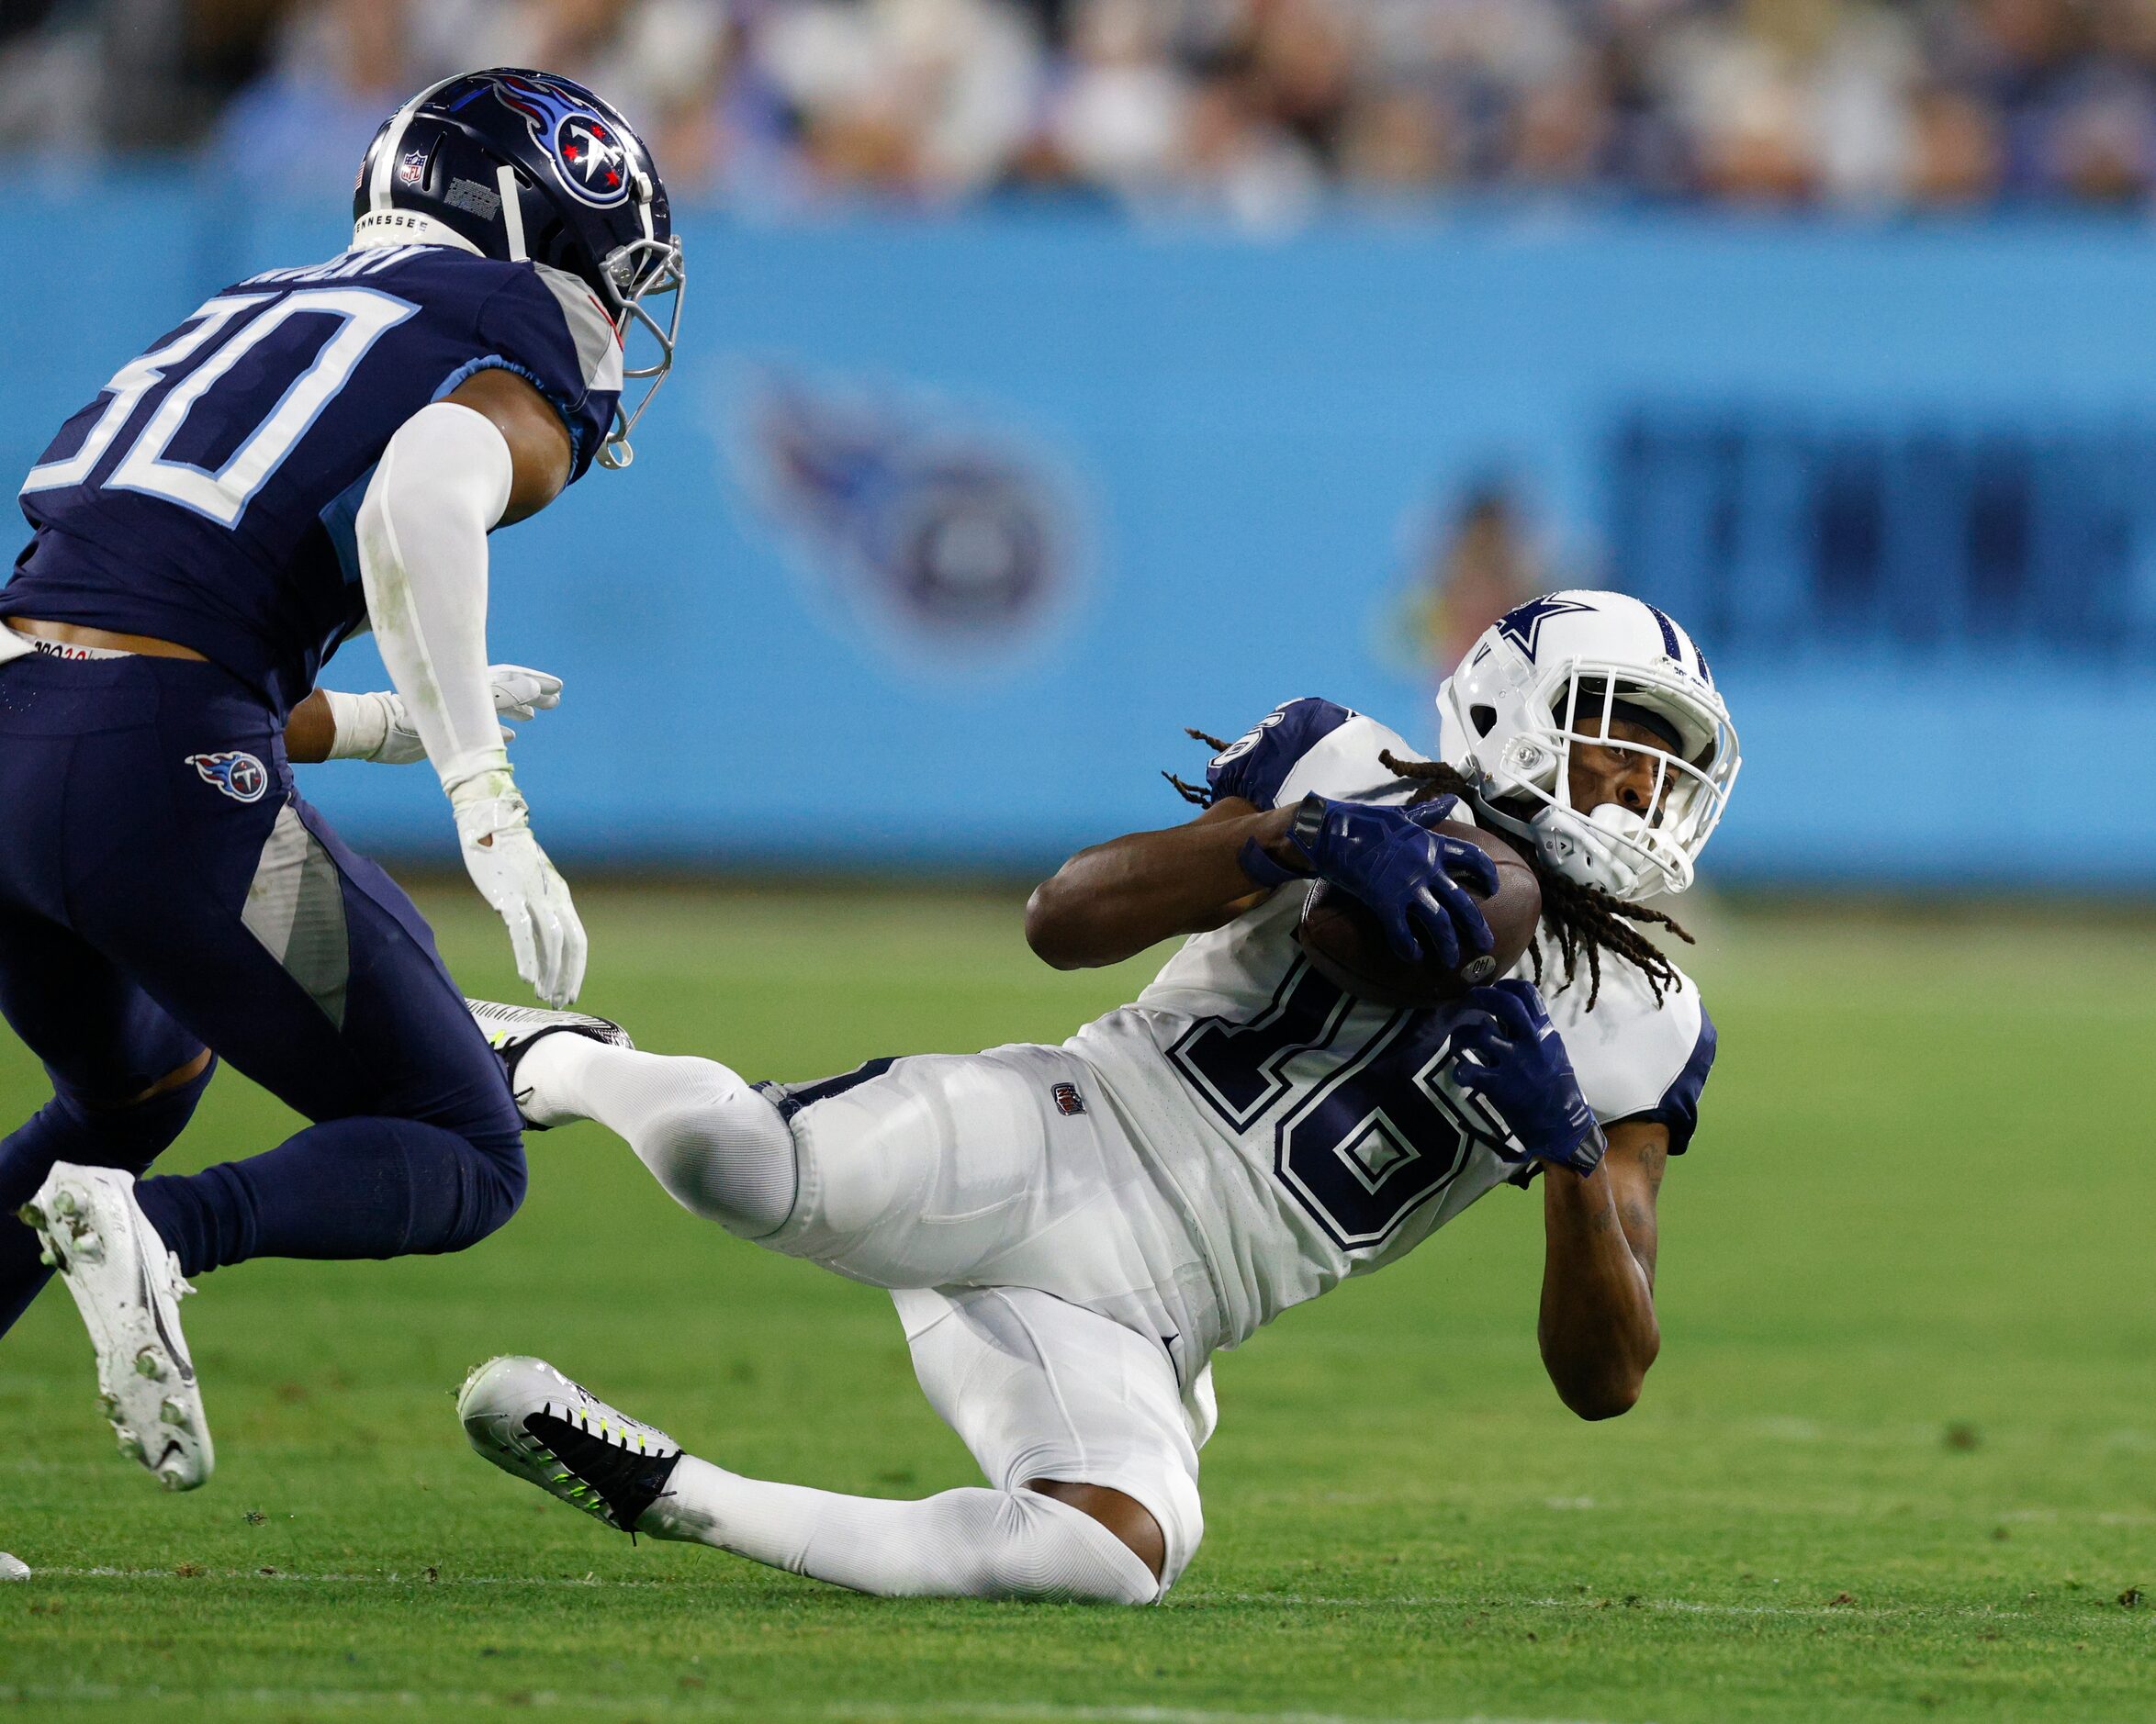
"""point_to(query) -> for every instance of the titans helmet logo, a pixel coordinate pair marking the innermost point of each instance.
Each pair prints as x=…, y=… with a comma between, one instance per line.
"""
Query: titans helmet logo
x=589, y=153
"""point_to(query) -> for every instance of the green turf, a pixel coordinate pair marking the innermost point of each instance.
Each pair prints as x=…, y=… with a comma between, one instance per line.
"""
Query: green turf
x=1898, y=1460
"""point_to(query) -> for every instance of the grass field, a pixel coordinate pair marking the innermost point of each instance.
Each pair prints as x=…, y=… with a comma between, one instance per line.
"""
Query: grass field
x=1898, y=1461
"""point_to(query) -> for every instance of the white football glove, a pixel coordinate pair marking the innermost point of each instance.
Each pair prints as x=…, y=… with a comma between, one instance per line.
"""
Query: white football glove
x=375, y=726
x=514, y=874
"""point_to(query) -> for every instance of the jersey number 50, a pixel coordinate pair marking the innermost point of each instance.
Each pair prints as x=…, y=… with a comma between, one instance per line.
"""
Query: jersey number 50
x=363, y=316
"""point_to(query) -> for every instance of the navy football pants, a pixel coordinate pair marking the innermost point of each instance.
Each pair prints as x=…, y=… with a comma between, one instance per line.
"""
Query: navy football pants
x=156, y=901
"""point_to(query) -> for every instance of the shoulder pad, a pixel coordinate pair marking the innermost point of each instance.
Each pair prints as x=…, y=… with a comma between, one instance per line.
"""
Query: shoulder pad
x=1256, y=763
x=1347, y=765
x=1304, y=746
x=1637, y=1059
x=599, y=353
x=545, y=325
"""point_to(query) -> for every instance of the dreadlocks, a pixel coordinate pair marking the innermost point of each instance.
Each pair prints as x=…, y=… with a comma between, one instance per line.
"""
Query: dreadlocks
x=1586, y=920
x=1198, y=795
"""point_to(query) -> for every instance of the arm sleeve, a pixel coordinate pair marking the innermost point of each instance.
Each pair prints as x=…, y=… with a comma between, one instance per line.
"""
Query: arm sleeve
x=442, y=481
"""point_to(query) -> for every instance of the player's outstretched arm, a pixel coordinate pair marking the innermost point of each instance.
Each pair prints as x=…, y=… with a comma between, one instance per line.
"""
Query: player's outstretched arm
x=1597, y=1330
x=493, y=451
x=328, y=725
x=1112, y=902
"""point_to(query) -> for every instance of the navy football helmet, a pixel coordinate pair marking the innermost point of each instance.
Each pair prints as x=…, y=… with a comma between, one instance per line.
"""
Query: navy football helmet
x=523, y=165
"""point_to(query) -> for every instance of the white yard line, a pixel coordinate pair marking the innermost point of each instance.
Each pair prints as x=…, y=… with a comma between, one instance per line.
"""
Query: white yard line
x=1017, y=1712
x=1586, y=1603
x=394, y=1578
x=1686, y=1607
x=1186, y=1715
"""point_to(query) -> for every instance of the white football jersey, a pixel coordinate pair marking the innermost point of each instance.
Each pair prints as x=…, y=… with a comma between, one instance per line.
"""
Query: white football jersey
x=1307, y=1137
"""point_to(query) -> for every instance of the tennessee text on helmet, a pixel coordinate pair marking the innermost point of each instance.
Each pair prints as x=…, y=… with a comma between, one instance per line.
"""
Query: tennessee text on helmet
x=1559, y=673
x=525, y=166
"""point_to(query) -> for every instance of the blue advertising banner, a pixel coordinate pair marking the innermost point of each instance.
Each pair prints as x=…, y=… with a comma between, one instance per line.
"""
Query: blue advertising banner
x=944, y=530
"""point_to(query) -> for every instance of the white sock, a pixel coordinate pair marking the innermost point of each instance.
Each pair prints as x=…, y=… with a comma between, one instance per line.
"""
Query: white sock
x=719, y=1148
x=962, y=1544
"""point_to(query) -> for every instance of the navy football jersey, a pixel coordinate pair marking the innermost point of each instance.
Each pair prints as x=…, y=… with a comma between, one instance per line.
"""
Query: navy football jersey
x=208, y=496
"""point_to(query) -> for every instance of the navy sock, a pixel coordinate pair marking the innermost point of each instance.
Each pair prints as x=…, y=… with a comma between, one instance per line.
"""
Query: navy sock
x=68, y=1130
x=350, y=1188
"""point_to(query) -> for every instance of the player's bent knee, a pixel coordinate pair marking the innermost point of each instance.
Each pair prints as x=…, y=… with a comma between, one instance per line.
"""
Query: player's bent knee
x=507, y=1172
x=178, y=1077
x=127, y=1129
x=1064, y=1552
x=724, y=1160
x=117, y=1095
x=679, y=1148
x=479, y=1191
x=1127, y=1519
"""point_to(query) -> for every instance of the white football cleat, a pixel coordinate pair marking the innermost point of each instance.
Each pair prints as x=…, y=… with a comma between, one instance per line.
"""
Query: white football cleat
x=128, y=1289
x=530, y=1421
x=513, y=1031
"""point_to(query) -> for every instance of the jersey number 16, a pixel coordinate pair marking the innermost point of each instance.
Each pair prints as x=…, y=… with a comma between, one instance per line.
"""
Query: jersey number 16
x=1373, y=1140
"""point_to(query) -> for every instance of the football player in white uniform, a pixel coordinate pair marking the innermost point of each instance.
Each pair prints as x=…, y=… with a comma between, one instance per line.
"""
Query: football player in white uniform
x=1071, y=1232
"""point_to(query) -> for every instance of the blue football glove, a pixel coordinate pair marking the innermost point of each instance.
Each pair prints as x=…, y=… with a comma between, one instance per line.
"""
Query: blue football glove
x=1386, y=857
x=1512, y=1053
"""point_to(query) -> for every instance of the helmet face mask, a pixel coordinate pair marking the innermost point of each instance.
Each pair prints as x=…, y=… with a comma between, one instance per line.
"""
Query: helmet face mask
x=1552, y=678
x=633, y=273
x=526, y=166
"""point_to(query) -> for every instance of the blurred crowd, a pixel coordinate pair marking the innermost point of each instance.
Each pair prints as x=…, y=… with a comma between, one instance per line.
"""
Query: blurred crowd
x=1254, y=111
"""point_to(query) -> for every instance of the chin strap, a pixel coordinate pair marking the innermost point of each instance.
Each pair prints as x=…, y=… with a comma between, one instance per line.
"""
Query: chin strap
x=1589, y=849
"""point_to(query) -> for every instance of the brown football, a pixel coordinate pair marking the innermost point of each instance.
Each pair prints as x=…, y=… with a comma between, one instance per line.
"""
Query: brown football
x=1348, y=947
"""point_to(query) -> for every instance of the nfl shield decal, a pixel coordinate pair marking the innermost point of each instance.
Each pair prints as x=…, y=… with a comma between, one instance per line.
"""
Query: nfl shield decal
x=240, y=776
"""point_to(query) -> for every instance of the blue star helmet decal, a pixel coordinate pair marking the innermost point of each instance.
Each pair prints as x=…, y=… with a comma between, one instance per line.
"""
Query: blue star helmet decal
x=1522, y=625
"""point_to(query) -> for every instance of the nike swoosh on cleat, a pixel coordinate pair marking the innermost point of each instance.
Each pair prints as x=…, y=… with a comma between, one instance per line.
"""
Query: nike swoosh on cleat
x=172, y=1344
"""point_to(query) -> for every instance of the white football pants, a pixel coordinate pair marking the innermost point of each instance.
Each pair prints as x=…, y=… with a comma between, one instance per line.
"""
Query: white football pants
x=1041, y=1287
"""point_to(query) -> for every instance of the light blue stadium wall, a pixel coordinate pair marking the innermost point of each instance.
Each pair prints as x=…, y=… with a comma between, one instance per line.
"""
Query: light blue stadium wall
x=1246, y=435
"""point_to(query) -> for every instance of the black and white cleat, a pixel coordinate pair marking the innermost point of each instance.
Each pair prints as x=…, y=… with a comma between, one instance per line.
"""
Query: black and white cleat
x=513, y=1031
x=128, y=1287
x=530, y=1421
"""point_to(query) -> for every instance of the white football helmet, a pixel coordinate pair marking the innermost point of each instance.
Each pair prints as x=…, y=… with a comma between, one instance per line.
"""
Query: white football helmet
x=1552, y=674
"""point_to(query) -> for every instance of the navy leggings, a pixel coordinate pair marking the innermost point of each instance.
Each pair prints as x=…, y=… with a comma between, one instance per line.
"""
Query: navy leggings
x=164, y=890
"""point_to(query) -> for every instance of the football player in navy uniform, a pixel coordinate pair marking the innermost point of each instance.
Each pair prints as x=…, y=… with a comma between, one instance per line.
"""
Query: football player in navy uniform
x=312, y=452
